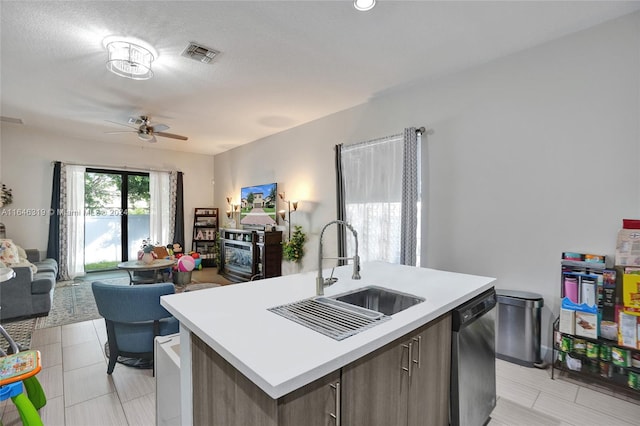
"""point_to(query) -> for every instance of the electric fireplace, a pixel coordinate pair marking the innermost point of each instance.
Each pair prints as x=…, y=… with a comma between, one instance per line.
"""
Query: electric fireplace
x=238, y=258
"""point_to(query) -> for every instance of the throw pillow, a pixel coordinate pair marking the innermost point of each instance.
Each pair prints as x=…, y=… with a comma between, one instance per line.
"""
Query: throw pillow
x=8, y=252
x=22, y=255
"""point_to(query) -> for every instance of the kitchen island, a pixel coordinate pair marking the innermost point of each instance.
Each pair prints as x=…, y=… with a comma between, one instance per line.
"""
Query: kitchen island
x=242, y=364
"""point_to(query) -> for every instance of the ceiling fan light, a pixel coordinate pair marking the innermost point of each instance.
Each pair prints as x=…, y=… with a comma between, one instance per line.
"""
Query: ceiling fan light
x=364, y=5
x=129, y=60
x=147, y=137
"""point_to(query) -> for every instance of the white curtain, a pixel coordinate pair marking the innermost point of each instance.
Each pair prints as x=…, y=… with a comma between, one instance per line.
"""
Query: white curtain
x=379, y=194
x=160, y=222
x=72, y=222
x=372, y=177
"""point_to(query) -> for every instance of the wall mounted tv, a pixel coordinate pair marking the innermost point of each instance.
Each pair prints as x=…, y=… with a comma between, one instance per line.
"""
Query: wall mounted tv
x=258, y=205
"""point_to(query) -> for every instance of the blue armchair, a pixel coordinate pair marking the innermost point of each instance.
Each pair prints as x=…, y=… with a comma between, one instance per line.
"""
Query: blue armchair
x=133, y=317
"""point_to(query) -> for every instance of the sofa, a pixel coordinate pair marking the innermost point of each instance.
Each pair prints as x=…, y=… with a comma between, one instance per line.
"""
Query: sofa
x=30, y=293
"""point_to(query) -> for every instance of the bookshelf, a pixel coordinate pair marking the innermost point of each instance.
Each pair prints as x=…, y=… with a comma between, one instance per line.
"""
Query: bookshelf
x=205, y=230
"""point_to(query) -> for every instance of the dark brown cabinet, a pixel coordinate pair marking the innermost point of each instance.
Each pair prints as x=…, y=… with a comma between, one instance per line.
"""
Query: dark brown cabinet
x=225, y=397
x=247, y=255
x=405, y=383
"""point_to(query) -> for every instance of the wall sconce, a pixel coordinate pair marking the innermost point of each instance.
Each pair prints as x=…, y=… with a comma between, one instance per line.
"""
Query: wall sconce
x=230, y=210
x=233, y=208
x=287, y=213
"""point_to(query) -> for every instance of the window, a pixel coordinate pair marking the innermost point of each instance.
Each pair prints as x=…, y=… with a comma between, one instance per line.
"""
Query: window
x=116, y=216
x=378, y=194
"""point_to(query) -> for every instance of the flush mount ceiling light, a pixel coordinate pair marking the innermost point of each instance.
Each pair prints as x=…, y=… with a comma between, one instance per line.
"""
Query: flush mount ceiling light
x=364, y=5
x=129, y=60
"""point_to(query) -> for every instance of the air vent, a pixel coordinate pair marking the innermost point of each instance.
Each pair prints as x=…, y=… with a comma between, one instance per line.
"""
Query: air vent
x=199, y=53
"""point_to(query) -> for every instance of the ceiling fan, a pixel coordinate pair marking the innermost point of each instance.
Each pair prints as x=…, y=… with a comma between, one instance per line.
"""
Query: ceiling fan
x=147, y=131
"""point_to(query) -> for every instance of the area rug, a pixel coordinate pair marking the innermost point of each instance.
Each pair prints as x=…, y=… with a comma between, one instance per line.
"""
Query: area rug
x=20, y=332
x=73, y=302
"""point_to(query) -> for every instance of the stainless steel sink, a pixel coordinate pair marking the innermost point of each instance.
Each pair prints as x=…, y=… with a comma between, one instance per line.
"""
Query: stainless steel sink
x=346, y=314
x=379, y=299
x=330, y=317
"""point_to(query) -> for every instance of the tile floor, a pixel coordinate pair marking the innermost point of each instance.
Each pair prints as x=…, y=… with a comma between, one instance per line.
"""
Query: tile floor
x=81, y=393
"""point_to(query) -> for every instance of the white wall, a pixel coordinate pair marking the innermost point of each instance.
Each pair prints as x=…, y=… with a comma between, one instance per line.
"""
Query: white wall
x=532, y=155
x=27, y=169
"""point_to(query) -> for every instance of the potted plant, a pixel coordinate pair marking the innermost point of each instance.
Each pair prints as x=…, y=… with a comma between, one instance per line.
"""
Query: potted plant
x=146, y=253
x=293, y=250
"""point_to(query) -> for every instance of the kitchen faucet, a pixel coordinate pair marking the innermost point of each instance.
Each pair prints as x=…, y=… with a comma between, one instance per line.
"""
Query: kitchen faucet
x=321, y=283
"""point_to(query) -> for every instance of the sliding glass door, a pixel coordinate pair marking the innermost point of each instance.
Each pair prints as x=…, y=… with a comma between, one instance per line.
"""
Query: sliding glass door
x=116, y=216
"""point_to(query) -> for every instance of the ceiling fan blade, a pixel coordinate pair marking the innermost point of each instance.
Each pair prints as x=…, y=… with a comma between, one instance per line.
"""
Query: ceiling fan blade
x=159, y=128
x=121, y=124
x=171, y=135
x=120, y=131
x=153, y=140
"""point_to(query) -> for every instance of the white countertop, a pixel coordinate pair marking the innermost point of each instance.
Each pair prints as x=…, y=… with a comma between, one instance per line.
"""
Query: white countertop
x=279, y=355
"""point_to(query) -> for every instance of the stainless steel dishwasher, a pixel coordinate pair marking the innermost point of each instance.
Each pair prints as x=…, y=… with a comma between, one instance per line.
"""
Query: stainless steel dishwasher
x=473, y=363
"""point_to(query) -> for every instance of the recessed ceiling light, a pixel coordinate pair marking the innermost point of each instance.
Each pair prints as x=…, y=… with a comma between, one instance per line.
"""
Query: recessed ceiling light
x=364, y=5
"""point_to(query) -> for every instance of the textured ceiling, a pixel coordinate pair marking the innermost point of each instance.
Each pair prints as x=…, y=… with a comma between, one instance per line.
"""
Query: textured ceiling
x=282, y=63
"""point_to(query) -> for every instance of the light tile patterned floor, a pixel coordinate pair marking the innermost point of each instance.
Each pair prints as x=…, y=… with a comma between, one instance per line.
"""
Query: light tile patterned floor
x=78, y=389
x=80, y=393
x=528, y=396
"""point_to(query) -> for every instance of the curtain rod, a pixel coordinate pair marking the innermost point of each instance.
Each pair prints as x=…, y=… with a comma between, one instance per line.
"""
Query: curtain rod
x=424, y=131
x=102, y=166
x=419, y=130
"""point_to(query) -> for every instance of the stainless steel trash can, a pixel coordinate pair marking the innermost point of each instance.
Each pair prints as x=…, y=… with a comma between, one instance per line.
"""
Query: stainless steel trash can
x=518, y=327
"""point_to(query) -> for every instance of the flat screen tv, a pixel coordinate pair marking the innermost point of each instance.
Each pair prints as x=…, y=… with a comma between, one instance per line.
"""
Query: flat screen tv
x=258, y=205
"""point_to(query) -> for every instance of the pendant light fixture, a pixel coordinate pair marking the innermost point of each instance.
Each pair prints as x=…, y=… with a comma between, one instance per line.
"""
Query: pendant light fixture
x=129, y=60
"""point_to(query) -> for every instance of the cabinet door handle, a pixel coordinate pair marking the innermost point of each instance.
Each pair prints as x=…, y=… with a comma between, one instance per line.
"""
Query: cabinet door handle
x=409, y=357
x=418, y=341
x=336, y=416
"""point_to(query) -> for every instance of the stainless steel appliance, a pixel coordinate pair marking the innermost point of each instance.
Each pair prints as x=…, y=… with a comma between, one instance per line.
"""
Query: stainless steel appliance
x=473, y=363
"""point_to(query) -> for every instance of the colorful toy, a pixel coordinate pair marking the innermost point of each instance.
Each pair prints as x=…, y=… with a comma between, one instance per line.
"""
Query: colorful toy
x=186, y=263
x=196, y=257
x=177, y=250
